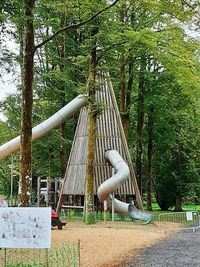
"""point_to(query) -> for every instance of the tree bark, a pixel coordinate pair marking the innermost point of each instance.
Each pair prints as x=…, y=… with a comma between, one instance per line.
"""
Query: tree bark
x=179, y=158
x=149, y=158
x=178, y=203
x=122, y=81
x=27, y=99
x=63, y=103
x=122, y=84
x=126, y=116
x=140, y=125
x=27, y=94
x=89, y=186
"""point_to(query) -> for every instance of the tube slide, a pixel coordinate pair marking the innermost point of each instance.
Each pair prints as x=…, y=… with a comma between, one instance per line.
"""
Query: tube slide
x=46, y=126
x=110, y=185
x=112, y=156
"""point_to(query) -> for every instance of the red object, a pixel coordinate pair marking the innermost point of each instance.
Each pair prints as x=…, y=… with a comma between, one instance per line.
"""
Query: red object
x=53, y=214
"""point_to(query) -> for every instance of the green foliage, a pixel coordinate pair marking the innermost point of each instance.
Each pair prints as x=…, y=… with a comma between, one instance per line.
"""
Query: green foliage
x=5, y=178
x=153, y=30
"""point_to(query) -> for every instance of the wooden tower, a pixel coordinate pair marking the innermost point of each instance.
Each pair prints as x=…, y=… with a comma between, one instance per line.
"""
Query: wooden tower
x=109, y=135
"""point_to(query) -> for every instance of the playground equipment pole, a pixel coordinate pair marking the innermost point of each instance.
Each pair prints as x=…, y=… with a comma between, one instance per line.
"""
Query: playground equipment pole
x=113, y=202
x=104, y=210
x=113, y=207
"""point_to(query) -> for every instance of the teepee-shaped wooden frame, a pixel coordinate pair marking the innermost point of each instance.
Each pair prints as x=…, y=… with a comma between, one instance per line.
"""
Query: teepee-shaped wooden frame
x=109, y=135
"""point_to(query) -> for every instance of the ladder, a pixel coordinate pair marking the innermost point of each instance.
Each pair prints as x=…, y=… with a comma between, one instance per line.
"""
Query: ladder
x=46, y=192
x=43, y=191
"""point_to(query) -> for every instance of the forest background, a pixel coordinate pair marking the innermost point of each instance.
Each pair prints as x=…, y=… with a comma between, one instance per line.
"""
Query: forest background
x=155, y=70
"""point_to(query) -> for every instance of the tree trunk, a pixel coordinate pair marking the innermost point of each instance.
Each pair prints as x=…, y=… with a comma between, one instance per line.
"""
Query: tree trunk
x=179, y=158
x=126, y=116
x=89, y=186
x=27, y=100
x=63, y=103
x=149, y=157
x=122, y=82
x=178, y=202
x=140, y=125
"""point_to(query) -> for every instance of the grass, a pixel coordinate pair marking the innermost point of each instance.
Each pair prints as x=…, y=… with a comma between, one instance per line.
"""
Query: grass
x=74, y=214
x=67, y=254
x=185, y=207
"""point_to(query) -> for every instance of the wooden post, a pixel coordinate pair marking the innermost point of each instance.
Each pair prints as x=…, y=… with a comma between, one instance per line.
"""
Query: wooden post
x=47, y=257
x=5, y=255
x=79, y=252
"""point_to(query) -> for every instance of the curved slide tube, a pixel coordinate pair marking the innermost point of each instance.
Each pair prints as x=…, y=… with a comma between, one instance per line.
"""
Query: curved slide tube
x=110, y=185
x=112, y=156
x=46, y=126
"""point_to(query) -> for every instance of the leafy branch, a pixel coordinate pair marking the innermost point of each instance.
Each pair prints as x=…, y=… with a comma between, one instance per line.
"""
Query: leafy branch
x=75, y=26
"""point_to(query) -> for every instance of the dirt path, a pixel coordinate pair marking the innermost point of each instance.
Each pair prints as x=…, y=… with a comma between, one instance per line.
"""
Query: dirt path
x=181, y=250
x=105, y=247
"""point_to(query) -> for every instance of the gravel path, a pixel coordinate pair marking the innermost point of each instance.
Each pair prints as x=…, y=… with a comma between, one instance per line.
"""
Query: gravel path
x=178, y=251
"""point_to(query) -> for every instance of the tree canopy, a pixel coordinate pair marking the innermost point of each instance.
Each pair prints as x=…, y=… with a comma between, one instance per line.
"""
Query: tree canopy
x=154, y=65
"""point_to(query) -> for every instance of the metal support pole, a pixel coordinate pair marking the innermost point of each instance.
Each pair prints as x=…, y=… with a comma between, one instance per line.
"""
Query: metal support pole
x=47, y=193
x=105, y=209
x=113, y=207
x=56, y=191
x=11, y=183
x=113, y=202
x=38, y=191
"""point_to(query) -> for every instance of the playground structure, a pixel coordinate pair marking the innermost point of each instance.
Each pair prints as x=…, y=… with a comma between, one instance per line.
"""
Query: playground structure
x=110, y=136
x=48, y=191
x=110, y=185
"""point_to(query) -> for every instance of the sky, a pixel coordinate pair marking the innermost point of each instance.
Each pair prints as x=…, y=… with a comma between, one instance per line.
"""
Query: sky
x=7, y=86
x=8, y=80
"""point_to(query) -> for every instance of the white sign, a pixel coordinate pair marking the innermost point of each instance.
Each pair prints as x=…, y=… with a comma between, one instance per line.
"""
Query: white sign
x=25, y=227
x=189, y=216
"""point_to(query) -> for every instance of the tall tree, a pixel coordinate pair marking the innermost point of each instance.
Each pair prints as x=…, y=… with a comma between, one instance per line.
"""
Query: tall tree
x=27, y=101
x=89, y=184
x=140, y=121
x=150, y=128
x=27, y=94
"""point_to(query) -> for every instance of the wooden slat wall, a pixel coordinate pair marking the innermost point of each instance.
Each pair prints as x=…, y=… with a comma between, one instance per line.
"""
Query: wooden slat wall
x=108, y=137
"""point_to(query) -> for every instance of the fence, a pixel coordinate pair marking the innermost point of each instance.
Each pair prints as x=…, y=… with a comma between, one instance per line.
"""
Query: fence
x=65, y=255
x=71, y=214
x=179, y=221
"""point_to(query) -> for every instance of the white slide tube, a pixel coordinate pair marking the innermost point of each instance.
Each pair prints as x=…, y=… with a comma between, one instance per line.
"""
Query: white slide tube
x=110, y=185
x=46, y=126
